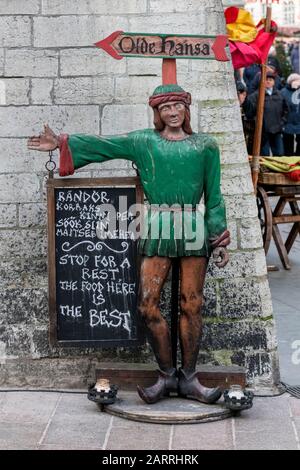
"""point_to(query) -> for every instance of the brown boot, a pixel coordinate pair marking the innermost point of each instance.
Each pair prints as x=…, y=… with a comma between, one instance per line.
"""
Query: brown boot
x=166, y=383
x=190, y=387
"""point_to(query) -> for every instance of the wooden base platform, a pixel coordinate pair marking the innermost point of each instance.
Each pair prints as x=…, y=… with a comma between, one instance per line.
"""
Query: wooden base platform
x=128, y=375
x=167, y=411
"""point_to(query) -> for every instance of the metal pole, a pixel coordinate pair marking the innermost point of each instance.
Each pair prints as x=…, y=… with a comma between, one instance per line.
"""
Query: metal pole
x=174, y=310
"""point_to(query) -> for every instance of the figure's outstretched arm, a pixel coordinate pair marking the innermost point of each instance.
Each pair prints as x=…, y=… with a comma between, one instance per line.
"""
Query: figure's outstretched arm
x=215, y=213
x=78, y=150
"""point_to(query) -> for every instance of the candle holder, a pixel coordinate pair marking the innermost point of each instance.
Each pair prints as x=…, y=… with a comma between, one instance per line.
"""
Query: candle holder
x=237, y=399
x=103, y=393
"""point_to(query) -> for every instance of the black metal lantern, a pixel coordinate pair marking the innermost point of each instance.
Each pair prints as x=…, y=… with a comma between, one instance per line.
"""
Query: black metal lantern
x=237, y=399
x=103, y=393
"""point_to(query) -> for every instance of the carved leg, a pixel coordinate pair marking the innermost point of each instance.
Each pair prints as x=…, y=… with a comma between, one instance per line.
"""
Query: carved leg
x=193, y=270
x=154, y=272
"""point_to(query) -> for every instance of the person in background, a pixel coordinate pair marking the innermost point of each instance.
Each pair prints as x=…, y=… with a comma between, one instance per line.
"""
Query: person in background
x=295, y=58
x=249, y=74
x=248, y=124
x=274, y=118
x=273, y=61
x=254, y=85
x=291, y=94
x=238, y=75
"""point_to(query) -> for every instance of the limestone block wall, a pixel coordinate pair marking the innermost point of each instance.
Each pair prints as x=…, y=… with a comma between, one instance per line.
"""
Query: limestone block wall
x=51, y=72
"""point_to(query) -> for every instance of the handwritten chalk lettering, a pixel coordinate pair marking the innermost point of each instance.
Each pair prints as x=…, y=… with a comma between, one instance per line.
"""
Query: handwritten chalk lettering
x=91, y=286
x=70, y=311
x=94, y=274
x=83, y=196
x=124, y=216
x=89, y=215
x=74, y=233
x=74, y=207
x=104, y=211
x=103, y=224
x=120, y=287
x=98, y=299
x=69, y=222
x=113, y=319
x=74, y=223
x=105, y=261
x=68, y=285
x=73, y=260
x=100, y=274
x=115, y=234
x=123, y=209
x=125, y=264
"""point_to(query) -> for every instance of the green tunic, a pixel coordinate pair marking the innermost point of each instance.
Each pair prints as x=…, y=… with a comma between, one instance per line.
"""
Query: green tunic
x=171, y=172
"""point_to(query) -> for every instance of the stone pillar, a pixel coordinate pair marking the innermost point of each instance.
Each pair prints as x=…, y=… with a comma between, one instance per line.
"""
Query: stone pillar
x=50, y=72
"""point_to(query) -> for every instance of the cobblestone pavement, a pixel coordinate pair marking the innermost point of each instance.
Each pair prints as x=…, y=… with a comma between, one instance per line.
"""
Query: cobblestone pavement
x=53, y=421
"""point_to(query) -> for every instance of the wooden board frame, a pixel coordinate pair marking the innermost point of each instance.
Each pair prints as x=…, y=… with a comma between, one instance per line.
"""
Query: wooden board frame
x=52, y=185
x=216, y=45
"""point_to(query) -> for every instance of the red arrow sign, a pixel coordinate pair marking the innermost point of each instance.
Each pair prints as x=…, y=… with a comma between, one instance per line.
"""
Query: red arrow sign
x=164, y=46
x=105, y=44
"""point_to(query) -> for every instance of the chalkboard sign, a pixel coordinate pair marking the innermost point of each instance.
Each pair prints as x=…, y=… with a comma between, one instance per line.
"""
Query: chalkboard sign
x=93, y=264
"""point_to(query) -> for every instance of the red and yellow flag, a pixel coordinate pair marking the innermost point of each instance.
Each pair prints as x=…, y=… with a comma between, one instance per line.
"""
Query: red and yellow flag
x=249, y=43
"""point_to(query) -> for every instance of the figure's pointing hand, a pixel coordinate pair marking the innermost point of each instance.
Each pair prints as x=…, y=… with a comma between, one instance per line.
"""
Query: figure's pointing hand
x=44, y=142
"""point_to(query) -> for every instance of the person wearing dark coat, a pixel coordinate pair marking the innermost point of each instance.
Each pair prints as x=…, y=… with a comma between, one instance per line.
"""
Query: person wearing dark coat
x=295, y=58
x=291, y=94
x=254, y=84
x=249, y=74
x=274, y=118
x=248, y=124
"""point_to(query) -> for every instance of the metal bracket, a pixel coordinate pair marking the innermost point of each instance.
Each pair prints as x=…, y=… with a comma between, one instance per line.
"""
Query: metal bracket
x=50, y=164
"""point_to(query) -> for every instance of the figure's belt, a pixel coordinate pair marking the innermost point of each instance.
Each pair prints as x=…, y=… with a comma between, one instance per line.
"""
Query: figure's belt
x=172, y=209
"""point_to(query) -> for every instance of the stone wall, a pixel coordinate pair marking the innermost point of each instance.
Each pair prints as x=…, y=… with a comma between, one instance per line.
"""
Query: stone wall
x=50, y=72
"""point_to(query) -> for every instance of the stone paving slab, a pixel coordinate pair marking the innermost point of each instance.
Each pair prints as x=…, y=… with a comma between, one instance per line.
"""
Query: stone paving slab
x=76, y=423
x=18, y=435
x=205, y=436
x=268, y=425
x=252, y=440
x=27, y=407
x=134, y=435
x=294, y=406
x=73, y=446
x=297, y=425
x=76, y=433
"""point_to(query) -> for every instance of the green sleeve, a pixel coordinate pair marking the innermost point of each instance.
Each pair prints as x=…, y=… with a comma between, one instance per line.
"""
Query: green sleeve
x=87, y=149
x=215, y=213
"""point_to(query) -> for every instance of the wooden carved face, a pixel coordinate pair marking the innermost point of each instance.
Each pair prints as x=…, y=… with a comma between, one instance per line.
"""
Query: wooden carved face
x=172, y=113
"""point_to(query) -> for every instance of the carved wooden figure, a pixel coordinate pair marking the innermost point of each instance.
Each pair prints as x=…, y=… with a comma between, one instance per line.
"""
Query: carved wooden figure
x=177, y=167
